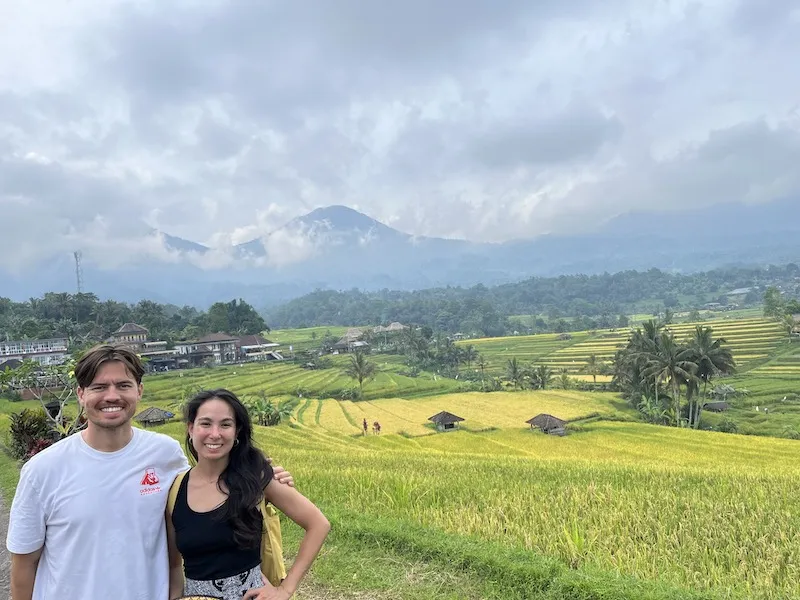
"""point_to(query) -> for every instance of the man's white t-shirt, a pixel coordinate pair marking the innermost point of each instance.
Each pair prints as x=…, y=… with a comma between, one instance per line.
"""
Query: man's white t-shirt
x=99, y=516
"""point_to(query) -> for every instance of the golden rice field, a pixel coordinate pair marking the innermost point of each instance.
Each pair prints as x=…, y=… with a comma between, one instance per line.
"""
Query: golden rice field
x=481, y=411
x=700, y=510
x=749, y=339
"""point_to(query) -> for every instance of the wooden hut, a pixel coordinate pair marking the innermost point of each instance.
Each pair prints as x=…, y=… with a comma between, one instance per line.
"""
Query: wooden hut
x=548, y=424
x=153, y=416
x=716, y=406
x=445, y=421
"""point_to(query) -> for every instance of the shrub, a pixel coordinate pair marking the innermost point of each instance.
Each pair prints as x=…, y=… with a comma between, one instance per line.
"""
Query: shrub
x=727, y=426
x=352, y=393
x=29, y=430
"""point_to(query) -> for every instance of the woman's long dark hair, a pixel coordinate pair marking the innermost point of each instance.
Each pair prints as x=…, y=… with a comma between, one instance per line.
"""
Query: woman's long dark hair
x=247, y=473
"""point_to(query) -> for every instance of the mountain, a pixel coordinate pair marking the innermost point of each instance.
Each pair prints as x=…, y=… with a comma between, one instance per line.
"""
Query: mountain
x=337, y=247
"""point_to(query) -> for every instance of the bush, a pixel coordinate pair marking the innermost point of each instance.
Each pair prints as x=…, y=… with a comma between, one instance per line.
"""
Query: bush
x=30, y=433
x=352, y=393
x=727, y=426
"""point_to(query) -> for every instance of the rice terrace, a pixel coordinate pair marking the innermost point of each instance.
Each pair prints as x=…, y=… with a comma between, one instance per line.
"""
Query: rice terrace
x=492, y=507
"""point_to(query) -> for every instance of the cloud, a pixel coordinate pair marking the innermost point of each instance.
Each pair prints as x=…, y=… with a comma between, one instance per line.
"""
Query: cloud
x=220, y=120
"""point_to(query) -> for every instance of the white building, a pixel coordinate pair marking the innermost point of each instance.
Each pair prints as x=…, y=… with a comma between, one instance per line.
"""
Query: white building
x=46, y=352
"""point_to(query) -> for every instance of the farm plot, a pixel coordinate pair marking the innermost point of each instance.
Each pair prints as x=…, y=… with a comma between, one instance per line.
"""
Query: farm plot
x=617, y=484
x=480, y=411
x=526, y=348
x=749, y=340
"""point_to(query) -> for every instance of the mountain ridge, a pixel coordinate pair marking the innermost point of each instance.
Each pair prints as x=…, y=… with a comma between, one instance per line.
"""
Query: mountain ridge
x=337, y=247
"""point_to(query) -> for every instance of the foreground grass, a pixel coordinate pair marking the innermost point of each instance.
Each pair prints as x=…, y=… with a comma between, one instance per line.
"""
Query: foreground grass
x=616, y=510
x=620, y=502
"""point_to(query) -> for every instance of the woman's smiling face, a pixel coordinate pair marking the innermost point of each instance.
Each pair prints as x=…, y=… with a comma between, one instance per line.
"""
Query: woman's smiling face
x=213, y=431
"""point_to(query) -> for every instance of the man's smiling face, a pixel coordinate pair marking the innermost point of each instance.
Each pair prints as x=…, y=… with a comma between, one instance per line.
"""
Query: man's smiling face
x=110, y=400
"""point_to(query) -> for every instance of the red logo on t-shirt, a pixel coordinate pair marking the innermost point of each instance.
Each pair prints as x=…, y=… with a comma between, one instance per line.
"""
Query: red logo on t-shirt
x=150, y=477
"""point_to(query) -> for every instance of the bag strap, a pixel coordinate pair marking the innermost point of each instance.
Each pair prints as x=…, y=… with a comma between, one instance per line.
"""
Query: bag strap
x=173, y=492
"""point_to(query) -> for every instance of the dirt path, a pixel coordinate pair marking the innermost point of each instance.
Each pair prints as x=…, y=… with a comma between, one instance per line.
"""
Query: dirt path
x=5, y=560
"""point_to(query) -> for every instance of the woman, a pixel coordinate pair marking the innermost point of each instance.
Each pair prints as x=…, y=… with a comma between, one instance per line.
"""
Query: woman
x=215, y=525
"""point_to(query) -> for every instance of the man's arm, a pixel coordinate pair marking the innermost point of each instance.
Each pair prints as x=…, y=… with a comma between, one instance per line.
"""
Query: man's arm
x=27, y=526
x=23, y=574
x=281, y=475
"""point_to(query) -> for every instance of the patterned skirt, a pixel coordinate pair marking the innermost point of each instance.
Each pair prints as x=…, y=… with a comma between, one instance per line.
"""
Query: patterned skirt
x=229, y=588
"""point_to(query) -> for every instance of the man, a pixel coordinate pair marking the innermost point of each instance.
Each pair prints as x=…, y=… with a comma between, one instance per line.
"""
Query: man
x=87, y=520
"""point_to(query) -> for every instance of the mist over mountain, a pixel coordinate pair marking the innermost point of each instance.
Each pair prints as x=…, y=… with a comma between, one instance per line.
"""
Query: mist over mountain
x=340, y=248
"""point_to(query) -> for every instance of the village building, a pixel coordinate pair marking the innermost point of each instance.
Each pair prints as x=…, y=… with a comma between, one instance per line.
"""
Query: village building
x=350, y=341
x=154, y=352
x=257, y=348
x=52, y=351
x=218, y=348
x=445, y=421
x=131, y=335
x=394, y=327
x=548, y=424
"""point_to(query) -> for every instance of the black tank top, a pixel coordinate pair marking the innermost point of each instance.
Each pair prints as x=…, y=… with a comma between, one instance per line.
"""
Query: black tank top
x=205, y=540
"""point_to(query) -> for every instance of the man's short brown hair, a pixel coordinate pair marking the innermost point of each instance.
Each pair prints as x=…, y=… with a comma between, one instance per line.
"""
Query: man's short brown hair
x=88, y=365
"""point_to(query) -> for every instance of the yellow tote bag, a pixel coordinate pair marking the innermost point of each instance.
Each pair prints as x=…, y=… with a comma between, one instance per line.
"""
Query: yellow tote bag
x=272, y=563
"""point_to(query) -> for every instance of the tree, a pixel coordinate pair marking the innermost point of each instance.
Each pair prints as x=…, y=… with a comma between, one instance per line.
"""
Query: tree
x=541, y=377
x=481, y=363
x=670, y=362
x=773, y=303
x=469, y=355
x=564, y=380
x=712, y=359
x=266, y=413
x=593, y=367
x=235, y=317
x=54, y=386
x=360, y=369
x=514, y=373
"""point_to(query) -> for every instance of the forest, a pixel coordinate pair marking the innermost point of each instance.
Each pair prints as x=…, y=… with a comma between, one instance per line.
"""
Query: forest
x=558, y=304
x=566, y=303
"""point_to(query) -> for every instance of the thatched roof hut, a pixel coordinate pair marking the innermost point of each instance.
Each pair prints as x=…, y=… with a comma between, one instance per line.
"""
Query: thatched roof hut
x=718, y=406
x=548, y=424
x=445, y=420
x=153, y=416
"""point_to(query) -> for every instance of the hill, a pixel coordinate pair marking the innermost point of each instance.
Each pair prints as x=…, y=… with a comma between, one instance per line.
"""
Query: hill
x=339, y=248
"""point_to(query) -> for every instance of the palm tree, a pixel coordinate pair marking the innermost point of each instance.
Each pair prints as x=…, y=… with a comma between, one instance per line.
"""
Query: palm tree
x=564, y=379
x=514, y=372
x=593, y=367
x=360, y=369
x=469, y=354
x=670, y=362
x=481, y=362
x=540, y=376
x=543, y=375
x=712, y=359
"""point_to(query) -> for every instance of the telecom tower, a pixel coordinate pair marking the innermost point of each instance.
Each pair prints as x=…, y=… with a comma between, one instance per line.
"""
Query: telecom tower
x=78, y=270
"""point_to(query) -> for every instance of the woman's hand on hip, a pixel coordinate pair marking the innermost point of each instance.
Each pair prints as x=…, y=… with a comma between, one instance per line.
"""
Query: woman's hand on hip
x=268, y=592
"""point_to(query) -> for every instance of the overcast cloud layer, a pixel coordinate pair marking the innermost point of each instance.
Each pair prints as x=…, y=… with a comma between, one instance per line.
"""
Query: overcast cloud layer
x=218, y=120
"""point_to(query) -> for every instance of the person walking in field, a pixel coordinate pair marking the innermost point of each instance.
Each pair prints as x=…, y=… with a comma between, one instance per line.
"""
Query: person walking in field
x=87, y=519
x=365, y=426
x=215, y=527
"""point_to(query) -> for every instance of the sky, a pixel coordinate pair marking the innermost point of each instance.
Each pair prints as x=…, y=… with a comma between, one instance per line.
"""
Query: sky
x=220, y=120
